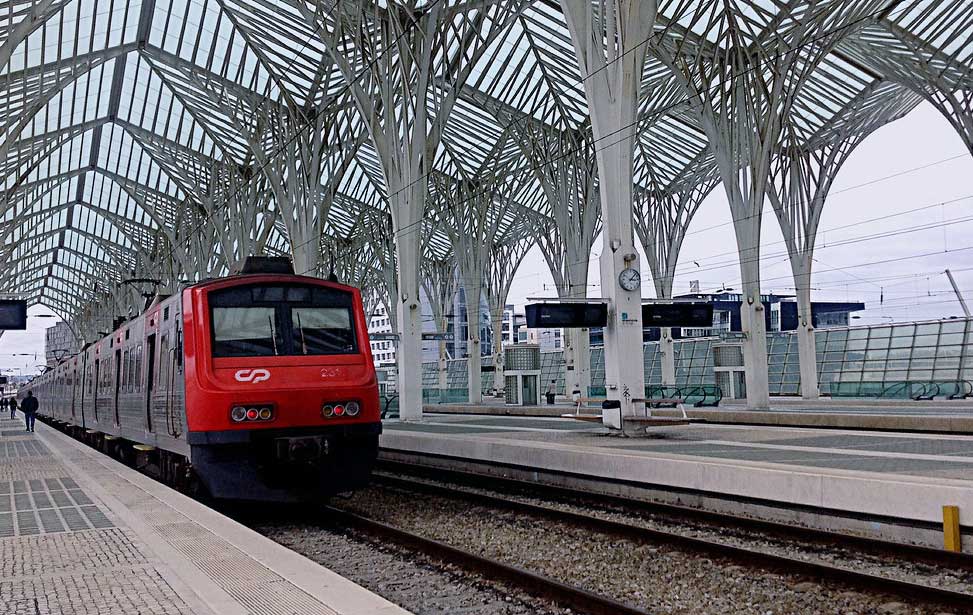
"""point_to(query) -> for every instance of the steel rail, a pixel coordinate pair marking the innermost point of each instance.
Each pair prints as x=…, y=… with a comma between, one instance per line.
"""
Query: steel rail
x=861, y=581
x=683, y=514
x=532, y=583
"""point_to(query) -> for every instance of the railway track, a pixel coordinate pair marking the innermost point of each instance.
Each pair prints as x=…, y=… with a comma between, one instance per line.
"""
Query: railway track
x=584, y=600
x=538, y=585
x=680, y=514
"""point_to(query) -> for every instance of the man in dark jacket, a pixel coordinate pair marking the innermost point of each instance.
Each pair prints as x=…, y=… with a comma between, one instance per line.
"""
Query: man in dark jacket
x=13, y=407
x=29, y=408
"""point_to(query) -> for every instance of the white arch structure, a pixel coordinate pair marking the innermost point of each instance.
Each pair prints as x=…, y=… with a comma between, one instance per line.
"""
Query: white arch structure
x=169, y=139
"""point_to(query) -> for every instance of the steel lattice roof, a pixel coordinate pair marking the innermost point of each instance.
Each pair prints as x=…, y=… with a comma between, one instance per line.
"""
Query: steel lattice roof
x=133, y=131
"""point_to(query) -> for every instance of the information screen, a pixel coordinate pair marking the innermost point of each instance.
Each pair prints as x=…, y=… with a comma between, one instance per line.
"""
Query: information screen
x=682, y=314
x=13, y=314
x=568, y=315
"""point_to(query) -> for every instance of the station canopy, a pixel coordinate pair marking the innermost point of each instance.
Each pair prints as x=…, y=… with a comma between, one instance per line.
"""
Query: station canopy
x=153, y=139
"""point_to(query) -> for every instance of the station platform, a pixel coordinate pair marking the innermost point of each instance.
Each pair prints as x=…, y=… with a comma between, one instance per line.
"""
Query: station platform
x=877, y=483
x=82, y=534
x=934, y=416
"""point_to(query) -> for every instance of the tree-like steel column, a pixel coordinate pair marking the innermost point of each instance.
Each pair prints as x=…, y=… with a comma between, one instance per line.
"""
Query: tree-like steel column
x=743, y=84
x=565, y=165
x=439, y=285
x=473, y=214
x=610, y=41
x=562, y=160
x=505, y=259
x=390, y=57
x=801, y=176
x=663, y=214
x=800, y=181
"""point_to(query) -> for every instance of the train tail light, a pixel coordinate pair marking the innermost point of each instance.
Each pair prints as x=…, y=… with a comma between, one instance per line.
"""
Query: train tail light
x=339, y=409
x=239, y=414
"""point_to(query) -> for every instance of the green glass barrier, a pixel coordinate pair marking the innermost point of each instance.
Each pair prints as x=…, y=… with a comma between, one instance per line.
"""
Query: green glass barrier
x=903, y=389
x=445, y=396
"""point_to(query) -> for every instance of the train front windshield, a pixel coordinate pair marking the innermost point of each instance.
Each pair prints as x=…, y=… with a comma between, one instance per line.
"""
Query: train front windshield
x=282, y=320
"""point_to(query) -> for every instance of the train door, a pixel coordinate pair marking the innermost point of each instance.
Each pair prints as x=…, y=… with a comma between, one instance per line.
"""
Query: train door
x=118, y=382
x=74, y=388
x=85, y=384
x=149, y=381
x=94, y=394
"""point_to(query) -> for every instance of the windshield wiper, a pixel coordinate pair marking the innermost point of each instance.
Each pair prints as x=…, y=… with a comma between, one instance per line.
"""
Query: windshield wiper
x=301, y=329
x=273, y=333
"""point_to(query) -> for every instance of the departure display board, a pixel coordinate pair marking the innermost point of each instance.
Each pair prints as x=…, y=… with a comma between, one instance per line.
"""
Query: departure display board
x=13, y=314
x=678, y=314
x=567, y=315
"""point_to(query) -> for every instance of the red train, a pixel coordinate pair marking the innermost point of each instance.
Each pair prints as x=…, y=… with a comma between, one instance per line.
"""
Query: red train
x=259, y=386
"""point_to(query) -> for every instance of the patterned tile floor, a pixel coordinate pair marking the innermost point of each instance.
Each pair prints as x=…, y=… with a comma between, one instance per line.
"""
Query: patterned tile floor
x=60, y=550
x=80, y=534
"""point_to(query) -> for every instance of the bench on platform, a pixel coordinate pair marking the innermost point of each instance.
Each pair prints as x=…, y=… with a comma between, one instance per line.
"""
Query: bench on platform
x=642, y=421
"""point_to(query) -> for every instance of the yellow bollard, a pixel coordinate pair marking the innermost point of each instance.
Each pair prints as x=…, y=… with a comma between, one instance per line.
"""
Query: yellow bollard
x=952, y=539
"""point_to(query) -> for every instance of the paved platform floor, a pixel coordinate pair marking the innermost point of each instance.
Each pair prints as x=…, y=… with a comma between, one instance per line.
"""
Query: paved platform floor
x=81, y=534
x=904, y=476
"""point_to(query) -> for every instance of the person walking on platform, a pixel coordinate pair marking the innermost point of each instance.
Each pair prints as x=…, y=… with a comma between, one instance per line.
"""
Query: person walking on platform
x=29, y=408
x=12, y=402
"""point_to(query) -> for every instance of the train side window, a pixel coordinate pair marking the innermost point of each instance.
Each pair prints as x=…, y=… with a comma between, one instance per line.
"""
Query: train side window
x=127, y=374
x=178, y=350
x=163, y=371
x=138, y=367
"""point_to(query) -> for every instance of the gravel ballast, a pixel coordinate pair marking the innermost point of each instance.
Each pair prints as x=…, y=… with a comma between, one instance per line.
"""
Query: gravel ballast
x=408, y=579
x=657, y=578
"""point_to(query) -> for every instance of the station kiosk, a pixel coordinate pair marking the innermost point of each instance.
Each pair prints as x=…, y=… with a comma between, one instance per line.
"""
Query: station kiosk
x=522, y=374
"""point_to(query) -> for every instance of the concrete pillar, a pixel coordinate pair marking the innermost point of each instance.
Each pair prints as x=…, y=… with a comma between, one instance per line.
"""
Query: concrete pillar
x=408, y=313
x=577, y=361
x=611, y=49
x=807, y=351
x=753, y=315
x=624, y=365
x=473, y=362
x=668, y=350
x=577, y=342
x=496, y=323
x=442, y=370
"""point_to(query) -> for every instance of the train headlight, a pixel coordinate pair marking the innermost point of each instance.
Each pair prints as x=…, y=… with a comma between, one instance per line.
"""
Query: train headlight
x=252, y=414
x=238, y=414
x=266, y=414
x=327, y=411
x=352, y=408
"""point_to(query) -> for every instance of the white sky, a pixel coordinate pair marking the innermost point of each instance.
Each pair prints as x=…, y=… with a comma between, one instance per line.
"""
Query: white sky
x=914, y=150
x=919, y=289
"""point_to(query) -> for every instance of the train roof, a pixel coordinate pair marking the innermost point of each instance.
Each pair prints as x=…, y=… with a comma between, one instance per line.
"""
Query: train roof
x=270, y=277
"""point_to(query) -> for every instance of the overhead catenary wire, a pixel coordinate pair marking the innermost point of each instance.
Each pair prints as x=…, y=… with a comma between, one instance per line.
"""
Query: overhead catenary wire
x=783, y=257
